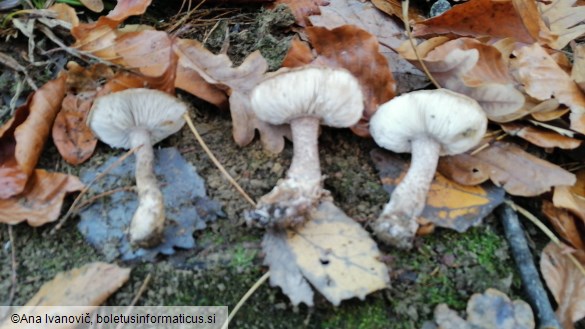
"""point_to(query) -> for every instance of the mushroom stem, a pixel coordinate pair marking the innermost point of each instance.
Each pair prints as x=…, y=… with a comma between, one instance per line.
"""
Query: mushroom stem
x=397, y=224
x=148, y=221
x=305, y=166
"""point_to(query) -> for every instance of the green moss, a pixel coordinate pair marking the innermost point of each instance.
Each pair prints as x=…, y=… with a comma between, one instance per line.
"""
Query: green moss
x=371, y=315
x=243, y=257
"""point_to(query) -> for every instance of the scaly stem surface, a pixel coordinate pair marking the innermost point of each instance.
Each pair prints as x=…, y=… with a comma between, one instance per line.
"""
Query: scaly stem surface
x=305, y=166
x=397, y=224
x=148, y=220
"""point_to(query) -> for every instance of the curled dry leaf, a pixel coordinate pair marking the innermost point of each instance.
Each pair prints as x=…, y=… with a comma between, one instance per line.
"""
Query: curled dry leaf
x=331, y=252
x=470, y=67
x=578, y=72
x=572, y=199
x=394, y=8
x=507, y=165
x=355, y=50
x=566, y=283
x=65, y=13
x=302, y=9
x=543, y=79
x=389, y=33
x=540, y=137
x=41, y=200
x=448, y=204
x=23, y=136
x=490, y=310
x=565, y=224
x=565, y=21
x=237, y=82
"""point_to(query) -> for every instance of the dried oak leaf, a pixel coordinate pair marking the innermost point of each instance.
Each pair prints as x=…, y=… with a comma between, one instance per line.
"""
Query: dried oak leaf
x=237, y=82
x=41, y=200
x=566, y=283
x=517, y=171
x=543, y=79
x=470, y=67
x=518, y=19
x=331, y=252
x=490, y=310
x=390, y=35
x=23, y=136
x=448, y=204
x=302, y=9
x=540, y=137
x=355, y=50
x=565, y=224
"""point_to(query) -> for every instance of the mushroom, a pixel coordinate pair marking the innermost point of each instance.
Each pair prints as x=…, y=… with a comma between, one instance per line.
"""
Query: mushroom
x=428, y=124
x=305, y=98
x=140, y=118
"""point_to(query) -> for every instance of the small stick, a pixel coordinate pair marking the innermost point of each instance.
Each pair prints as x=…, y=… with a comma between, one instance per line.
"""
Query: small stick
x=141, y=291
x=245, y=298
x=528, y=273
x=216, y=162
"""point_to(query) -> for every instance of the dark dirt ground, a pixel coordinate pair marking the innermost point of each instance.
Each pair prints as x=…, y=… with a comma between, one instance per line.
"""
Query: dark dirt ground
x=445, y=267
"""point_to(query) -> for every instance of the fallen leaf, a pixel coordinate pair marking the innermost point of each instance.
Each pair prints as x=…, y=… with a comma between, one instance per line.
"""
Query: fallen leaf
x=394, y=8
x=507, y=165
x=490, y=310
x=127, y=8
x=540, y=137
x=564, y=223
x=566, y=283
x=448, y=204
x=41, y=200
x=238, y=82
x=301, y=9
x=332, y=252
x=94, y=5
x=355, y=50
x=578, y=72
x=572, y=197
x=564, y=19
x=23, y=136
x=71, y=135
x=65, y=13
x=543, y=79
x=390, y=35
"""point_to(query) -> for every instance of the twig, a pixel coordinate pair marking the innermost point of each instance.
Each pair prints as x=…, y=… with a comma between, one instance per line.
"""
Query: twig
x=77, y=200
x=528, y=273
x=14, y=266
x=141, y=291
x=216, y=162
x=104, y=194
x=405, y=5
x=245, y=298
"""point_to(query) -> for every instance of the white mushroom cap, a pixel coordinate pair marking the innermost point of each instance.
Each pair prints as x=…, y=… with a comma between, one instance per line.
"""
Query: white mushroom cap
x=334, y=95
x=455, y=121
x=112, y=117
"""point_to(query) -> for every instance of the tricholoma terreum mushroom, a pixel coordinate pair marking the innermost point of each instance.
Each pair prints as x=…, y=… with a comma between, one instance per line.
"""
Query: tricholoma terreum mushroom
x=133, y=118
x=426, y=123
x=305, y=98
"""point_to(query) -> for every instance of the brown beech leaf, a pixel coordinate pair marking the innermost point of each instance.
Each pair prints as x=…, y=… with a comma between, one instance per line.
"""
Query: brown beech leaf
x=331, y=252
x=237, y=82
x=41, y=200
x=543, y=79
x=302, y=9
x=477, y=18
x=490, y=310
x=565, y=224
x=566, y=283
x=394, y=8
x=578, y=72
x=565, y=21
x=94, y=5
x=357, y=51
x=572, y=197
x=470, y=67
x=390, y=35
x=448, y=204
x=65, y=13
x=517, y=171
x=540, y=137
x=71, y=135
x=23, y=136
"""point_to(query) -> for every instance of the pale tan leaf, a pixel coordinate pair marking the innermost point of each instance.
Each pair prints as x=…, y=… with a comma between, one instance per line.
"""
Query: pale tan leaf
x=578, y=72
x=543, y=79
x=65, y=13
x=540, y=137
x=94, y=5
x=332, y=252
x=572, y=197
x=566, y=283
x=564, y=19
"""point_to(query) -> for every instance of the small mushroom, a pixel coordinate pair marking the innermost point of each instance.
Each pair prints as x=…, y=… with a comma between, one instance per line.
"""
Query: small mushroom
x=426, y=123
x=305, y=98
x=140, y=118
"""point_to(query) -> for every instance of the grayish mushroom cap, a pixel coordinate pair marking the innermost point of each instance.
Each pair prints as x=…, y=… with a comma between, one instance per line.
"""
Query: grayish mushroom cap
x=455, y=121
x=334, y=95
x=113, y=117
